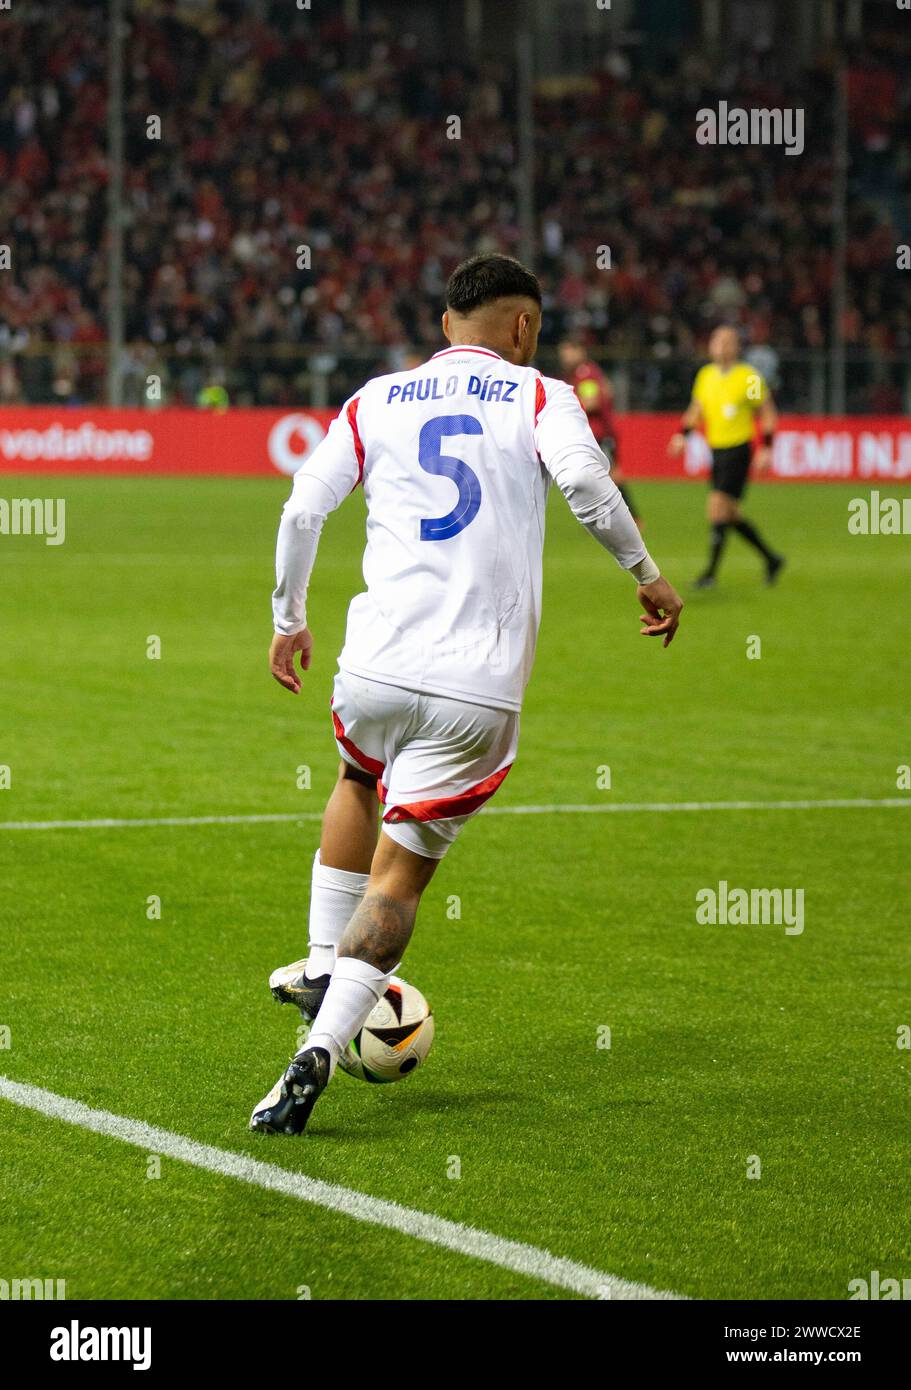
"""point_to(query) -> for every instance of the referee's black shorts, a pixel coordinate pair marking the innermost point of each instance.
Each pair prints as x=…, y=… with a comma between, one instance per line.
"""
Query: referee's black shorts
x=731, y=469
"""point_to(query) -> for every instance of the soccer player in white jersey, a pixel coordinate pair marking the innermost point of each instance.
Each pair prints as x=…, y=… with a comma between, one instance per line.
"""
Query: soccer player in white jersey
x=455, y=458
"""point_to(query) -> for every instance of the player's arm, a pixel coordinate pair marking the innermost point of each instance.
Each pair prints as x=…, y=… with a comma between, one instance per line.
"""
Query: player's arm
x=767, y=415
x=570, y=453
x=320, y=485
x=690, y=420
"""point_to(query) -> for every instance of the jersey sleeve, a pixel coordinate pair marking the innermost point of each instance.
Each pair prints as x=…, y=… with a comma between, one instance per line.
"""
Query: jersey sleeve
x=338, y=460
x=321, y=484
x=561, y=424
x=571, y=455
x=699, y=387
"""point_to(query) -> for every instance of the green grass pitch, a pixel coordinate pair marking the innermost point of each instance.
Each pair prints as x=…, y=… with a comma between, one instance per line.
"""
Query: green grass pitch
x=727, y=1042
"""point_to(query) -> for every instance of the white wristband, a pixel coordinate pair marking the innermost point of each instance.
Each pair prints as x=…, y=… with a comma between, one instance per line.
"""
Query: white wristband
x=645, y=571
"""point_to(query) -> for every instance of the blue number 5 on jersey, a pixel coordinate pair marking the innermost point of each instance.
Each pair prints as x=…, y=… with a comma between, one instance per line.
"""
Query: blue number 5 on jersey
x=442, y=528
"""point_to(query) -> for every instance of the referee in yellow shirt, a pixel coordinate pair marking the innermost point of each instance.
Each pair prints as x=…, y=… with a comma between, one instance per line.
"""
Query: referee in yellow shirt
x=729, y=396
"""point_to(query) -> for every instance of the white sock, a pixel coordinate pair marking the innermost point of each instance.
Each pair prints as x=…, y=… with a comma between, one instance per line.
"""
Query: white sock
x=335, y=895
x=353, y=990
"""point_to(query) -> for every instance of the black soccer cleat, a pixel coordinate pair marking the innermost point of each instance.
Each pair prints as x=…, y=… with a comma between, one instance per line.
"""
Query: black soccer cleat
x=705, y=581
x=288, y=1106
x=290, y=985
x=773, y=568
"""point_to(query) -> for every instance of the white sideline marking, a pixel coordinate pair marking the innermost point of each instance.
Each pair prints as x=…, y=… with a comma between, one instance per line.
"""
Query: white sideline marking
x=434, y=1230
x=601, y=808
x=130, y=822
x=826, y=804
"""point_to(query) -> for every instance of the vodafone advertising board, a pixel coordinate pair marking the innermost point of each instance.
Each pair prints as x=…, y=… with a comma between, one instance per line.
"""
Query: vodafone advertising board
x=258, y=442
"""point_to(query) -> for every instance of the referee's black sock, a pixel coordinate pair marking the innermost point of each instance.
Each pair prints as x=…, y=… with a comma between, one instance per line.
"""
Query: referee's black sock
x=749, y=533
x=718, y=534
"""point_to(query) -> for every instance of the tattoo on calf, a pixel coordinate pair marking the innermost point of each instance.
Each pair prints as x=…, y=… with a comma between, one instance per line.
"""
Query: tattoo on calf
x=379, y=931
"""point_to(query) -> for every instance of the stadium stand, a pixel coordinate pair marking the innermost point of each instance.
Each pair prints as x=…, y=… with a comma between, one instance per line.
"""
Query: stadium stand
x=276, y=134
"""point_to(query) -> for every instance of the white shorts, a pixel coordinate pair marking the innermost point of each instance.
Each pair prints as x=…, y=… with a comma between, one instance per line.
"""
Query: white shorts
x=436, y=760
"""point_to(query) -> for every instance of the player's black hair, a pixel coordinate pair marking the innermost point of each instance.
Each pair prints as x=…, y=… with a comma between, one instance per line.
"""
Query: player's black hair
x=482, y=279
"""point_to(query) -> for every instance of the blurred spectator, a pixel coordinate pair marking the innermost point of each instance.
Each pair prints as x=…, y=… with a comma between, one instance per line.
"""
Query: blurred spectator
x=277, y=135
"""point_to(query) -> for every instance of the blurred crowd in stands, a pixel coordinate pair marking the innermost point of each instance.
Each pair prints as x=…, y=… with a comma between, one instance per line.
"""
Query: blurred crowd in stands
x=279, y=133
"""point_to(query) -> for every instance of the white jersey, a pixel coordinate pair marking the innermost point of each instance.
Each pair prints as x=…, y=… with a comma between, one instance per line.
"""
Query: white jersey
x=455, y=458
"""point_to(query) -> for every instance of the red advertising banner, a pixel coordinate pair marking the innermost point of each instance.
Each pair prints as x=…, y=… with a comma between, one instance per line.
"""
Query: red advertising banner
x=40, y=439
x=251, y=442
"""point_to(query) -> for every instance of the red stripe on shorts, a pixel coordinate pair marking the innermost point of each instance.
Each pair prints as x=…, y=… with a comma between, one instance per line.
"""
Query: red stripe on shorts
x=367, y=764
x=462, y=804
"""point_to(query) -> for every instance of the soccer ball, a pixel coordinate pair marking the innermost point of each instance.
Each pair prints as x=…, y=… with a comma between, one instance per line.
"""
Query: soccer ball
x=395, y=1039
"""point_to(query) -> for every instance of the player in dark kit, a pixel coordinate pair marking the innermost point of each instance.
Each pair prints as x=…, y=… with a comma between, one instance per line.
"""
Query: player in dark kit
x=729, y=397
x=596, y=396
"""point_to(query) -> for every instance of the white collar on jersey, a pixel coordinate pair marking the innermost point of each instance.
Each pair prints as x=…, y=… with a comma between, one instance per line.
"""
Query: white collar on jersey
x=467, y=347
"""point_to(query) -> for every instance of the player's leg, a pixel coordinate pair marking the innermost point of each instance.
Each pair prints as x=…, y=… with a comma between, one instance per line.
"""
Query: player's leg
x=347, y=843
x=341, y=867
x=370, y=949
x=346, y=848
x=372, y=946
x=351, y=821
x=453, y=759
x=381, y=927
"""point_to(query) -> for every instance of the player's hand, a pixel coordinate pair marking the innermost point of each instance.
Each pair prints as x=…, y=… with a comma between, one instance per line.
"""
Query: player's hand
x=281, y=657
x=762, y=459
x=677, y=445
x=662, y=605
